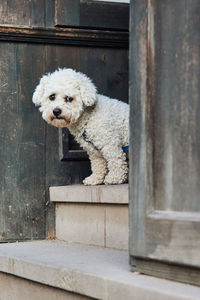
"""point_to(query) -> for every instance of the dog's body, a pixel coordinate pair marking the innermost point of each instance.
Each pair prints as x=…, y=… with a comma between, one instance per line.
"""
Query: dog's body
x=98, y=123
x=101, y=132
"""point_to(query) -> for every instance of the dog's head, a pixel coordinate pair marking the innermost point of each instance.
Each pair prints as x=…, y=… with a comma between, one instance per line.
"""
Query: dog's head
x=63, y=95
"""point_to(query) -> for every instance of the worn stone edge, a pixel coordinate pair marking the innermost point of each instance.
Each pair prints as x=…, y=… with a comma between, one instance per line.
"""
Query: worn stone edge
x=98, y=286
x=90, y=194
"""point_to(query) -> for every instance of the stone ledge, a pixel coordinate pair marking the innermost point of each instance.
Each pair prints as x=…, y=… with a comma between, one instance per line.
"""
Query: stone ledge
x=116, y=194
x=91, y=271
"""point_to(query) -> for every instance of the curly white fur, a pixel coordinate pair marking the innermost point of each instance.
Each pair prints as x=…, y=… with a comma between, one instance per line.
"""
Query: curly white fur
x=98, y=123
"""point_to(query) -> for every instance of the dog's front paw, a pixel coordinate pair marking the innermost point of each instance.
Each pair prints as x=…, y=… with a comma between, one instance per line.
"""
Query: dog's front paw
x=93, y=180
x=113, y=179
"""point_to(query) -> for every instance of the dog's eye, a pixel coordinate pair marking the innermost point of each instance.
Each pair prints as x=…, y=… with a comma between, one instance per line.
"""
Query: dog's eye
x=68, y=99
x=52, y=97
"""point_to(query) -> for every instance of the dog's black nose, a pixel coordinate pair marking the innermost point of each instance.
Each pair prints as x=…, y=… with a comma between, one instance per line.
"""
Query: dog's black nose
x=57, y=111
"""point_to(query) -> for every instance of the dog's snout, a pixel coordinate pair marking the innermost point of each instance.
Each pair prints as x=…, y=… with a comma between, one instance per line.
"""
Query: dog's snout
x=57, y=111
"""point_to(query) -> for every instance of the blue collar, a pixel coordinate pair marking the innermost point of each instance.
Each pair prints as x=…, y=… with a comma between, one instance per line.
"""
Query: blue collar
x=125, y=148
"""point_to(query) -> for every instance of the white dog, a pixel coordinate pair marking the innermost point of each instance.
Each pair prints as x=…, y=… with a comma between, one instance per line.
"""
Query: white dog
x=98, y=123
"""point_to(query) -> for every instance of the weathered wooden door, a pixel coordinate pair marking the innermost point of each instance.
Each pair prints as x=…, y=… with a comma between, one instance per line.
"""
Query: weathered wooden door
x=34, y=156
x=165, y=138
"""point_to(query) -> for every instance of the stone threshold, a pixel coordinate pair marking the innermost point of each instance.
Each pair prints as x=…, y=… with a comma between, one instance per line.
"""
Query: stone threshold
x=86, y=270
x=111, y=194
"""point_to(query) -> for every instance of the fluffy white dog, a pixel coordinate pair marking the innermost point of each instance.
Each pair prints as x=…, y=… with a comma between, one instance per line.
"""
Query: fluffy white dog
x=98, y=123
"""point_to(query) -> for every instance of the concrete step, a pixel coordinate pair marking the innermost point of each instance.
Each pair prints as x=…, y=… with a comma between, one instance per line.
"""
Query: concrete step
x=49, y=270
x=92, y=215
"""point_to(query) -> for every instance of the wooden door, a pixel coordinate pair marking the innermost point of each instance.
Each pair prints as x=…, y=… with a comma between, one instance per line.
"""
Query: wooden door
x=34, y=156
x=165, y=138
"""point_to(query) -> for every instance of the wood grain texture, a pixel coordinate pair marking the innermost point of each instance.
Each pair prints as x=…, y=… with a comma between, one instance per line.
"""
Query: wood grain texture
x=164, y=121
x=92, y=14
x=22, y=147
x=176, y=115
x=67, y=13
x=22, y=12
x=167, y=271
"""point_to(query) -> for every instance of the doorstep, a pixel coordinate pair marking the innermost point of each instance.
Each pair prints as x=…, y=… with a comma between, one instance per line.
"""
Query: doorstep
x=115, y=194
x=92, y=215
x=91, y=271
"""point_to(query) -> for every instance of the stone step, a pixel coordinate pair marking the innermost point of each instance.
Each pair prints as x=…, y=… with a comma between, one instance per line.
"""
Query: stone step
x=51, y=270
x=92, y=215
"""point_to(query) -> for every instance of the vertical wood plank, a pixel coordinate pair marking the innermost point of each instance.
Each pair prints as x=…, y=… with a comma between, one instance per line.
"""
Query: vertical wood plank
x=22, y=12
x=22, y=147
x=138, y=184
x=49, y=13
x=177, y=113
x=32, y=140
x=8, y=135
x=67, y=12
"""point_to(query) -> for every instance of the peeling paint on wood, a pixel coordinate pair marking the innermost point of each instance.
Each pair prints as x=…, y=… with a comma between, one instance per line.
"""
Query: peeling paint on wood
x=51, y=235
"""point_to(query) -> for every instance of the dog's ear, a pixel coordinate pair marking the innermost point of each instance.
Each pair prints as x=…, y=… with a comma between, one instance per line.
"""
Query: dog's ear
x=39, y=91
x=87, y=90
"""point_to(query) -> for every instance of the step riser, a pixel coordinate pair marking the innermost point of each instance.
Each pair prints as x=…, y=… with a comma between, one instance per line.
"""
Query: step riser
x=104, y=225
x=16, y=288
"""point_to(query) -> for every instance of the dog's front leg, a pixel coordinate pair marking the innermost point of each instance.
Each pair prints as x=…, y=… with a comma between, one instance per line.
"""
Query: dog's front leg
x=99, y=168
x=116, y=163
